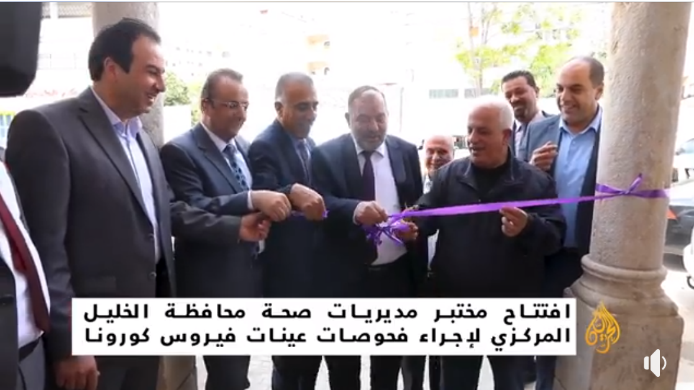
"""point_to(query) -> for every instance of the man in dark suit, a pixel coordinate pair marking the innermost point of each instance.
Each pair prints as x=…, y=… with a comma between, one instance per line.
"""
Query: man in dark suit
x=521, y=91
x=279, y=159
x=505, y=251
x=363, y=177
x=208, y=168
x=96, y=199
x=567, y=147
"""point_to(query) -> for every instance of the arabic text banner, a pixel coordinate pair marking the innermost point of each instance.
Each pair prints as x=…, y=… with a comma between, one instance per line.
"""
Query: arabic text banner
x=174, y=327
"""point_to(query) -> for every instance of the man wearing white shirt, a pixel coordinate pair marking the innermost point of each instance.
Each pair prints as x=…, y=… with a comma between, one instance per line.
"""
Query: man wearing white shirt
x=363, y=177
x=24, y=299
x=439, y=151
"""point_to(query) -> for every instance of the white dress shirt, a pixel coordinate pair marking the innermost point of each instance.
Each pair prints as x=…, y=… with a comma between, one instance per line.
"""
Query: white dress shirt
x=386, y=196
x=27, y=331
x=241, y=162
x=432, y=239
x=127, y=133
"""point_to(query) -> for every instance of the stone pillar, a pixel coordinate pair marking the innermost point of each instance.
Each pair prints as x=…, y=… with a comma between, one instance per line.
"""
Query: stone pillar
x=624, y=269
x=175, y=372
x=104, y=14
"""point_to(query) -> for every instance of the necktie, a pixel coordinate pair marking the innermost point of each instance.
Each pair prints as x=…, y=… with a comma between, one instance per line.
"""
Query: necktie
x=230, y=153
x=303, y=154
x=24, y=263
x=520, y=129
x=368, y=189
x=368, y=192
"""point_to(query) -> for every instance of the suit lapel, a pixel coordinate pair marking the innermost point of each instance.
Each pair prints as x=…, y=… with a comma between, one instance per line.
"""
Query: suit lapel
x=214, y=155
x=152, y=157
x=397, y=161
x=352, y=169
x=98, y=125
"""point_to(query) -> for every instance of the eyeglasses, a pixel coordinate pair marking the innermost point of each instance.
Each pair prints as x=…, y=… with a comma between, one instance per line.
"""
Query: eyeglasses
x=232, y=105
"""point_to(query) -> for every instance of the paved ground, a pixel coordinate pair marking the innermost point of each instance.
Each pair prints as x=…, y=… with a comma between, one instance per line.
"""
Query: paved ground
x=675, y=286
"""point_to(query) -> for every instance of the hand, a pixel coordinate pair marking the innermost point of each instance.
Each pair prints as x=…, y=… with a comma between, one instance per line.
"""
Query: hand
x=308, y=201
x=370, y=213
x=411, y=208
x=273, y=204
x=544, y=156
x=513, y=221
x=254, y=227
x=77, y=373
x=407, y=232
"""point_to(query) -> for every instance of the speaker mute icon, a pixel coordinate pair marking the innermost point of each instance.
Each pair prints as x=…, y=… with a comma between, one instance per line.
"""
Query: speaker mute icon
x=653, y=363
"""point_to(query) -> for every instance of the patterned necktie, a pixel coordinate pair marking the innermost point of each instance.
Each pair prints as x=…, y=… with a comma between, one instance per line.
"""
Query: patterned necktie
x=368, y=192
x=230, y=153
x=303, y=154
x=24, y=263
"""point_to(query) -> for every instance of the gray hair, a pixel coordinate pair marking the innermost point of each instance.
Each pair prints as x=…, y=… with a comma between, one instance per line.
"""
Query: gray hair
x=500, y=104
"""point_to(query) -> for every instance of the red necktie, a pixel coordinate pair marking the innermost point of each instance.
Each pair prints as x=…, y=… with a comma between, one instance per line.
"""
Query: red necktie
x=24, y=263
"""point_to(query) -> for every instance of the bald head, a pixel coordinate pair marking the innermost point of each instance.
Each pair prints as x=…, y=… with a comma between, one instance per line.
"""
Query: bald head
x=439, y=150
x=296, y=103
x=489, y=131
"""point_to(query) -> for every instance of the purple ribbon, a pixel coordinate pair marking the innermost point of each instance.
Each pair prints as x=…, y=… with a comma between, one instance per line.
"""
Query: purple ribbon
x=395, y=223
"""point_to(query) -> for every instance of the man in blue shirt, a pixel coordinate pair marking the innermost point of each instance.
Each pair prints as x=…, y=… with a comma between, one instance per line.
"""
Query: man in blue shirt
x=567, y=147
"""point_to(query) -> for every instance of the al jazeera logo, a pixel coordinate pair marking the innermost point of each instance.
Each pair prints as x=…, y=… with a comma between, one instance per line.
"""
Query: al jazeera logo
x=603, y=331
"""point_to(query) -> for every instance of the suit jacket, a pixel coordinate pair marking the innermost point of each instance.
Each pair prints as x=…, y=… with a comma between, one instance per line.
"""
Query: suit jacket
x=288, y=257
x=538, y=134
x=342, y=245
x=200, y=176
x=85, y=213
x=514, y=134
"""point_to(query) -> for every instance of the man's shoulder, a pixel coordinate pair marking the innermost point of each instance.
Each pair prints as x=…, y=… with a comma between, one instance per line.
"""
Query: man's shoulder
x=333, y=144
x=182, y=141
x=400, y=141
x=545, y=123
x=52, y=111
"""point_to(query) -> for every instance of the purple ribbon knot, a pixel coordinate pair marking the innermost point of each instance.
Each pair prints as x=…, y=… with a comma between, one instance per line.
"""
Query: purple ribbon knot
x=394, y=223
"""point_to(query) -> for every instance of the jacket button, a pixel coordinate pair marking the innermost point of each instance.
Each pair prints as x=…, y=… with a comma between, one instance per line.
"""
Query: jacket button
x=6, y=300
x=150, y=237
x=152, y=275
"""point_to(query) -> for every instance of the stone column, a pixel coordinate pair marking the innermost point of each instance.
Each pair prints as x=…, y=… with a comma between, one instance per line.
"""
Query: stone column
x=175, y=372
x=624, y=269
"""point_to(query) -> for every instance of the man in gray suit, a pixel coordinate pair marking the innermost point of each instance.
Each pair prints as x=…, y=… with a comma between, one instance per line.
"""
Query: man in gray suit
x=567, y=147
x=98, y=204
x=208, y=168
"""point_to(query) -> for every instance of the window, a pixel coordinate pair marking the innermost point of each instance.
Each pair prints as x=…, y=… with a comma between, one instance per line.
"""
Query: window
x=45, y=10
x=73, y=9
x=443, y=94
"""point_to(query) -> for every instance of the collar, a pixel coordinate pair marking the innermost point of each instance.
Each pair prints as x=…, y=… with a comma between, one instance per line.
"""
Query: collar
x=595, y=124
x=381, y=149
x=218, y=142
x=538, y=117
x=130, y=127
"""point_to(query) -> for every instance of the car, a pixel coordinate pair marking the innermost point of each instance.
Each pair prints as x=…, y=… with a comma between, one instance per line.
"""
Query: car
x=688, y=260
x=680, y=217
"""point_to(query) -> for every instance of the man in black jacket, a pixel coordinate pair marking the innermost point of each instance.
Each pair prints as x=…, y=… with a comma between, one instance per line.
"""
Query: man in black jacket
x=504, y=253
